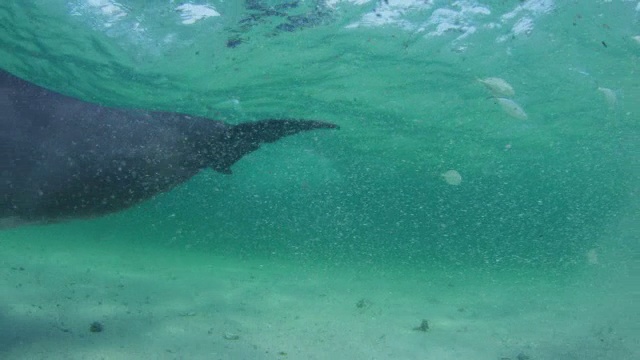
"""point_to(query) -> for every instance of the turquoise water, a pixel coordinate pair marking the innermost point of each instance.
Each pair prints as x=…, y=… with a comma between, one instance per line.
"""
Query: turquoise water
x=550, y=201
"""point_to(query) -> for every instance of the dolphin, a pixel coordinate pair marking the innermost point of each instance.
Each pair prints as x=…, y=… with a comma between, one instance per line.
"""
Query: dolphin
x=63, y=158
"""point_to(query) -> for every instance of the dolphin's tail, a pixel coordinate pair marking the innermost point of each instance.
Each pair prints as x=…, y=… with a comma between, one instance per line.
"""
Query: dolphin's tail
x=244, y=138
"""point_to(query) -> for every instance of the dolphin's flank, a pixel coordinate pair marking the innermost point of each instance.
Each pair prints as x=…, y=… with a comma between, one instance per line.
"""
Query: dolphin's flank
x=64, y=158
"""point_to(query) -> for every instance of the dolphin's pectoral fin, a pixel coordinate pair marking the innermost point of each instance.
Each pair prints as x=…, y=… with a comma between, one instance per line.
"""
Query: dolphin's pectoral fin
x=244, y=138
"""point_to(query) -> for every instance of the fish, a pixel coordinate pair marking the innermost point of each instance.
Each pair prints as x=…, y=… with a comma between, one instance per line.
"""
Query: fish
x=512, y=108
x=498, y=87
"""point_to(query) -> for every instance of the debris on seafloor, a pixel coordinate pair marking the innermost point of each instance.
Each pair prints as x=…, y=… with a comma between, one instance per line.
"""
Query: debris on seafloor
x=231, y=336
x=424, y=326
x=363, y=304
x=520, y=356
x=96, y=327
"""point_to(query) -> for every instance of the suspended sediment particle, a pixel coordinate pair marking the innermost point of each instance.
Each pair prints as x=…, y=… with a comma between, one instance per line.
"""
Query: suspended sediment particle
x=512, y=108
x=609, y=96
x=498, y=86
x=452, y=177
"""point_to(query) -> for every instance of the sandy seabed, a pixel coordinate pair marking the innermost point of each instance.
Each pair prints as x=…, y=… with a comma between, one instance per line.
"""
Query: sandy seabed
x=158, y=303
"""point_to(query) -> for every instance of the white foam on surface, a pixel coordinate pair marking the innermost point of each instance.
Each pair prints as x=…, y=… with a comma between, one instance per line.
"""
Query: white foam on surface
x=461, y=18
x=392, y=13
x=534, y=7
x=455, y=21
x=334, y=3
x=192, y=13
x=109, y=11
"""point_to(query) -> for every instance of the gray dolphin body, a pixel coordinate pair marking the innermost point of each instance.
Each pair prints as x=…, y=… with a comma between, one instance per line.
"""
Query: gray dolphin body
x=63, y=158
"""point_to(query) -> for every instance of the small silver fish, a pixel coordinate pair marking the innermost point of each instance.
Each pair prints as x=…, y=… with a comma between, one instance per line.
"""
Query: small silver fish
x=498, y=86
x=512, y=108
